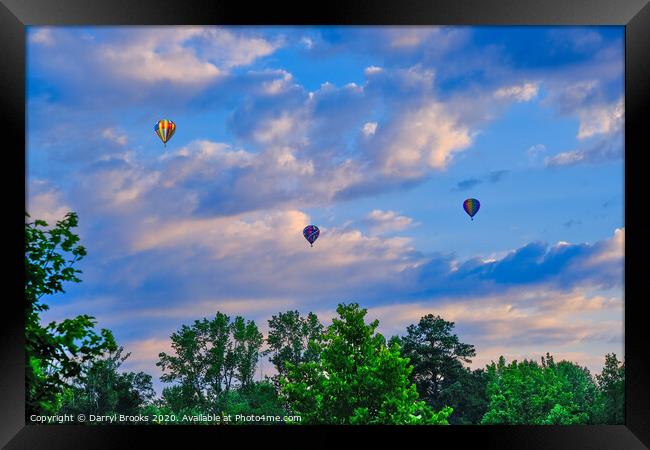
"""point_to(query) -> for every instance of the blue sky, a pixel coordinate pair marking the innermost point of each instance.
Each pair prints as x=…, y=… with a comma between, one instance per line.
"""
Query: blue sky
x=376, y=135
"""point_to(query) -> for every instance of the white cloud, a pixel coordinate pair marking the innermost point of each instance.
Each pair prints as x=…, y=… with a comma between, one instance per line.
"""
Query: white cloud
x=535, y=151
x=514, y=323
x=286, y=160
x=225, y=236
x=275, y=128
x=609, y=148
x=235, y=180
x=144, y=354
x=280, y=135
x=519, y=93
x=422, y=138
x=42, y=36
x=279, y=233
x=279, y=84
x=370, y=70
x=114, y=136
x=182, y=55
x=232, y=49
x=601, y=119
x=253, y=307
x=433, y=38
x=154, y=56
x=369, y=128
x=386, y=221
x=573, y=96
x=566, y=158
x=409, y=37
x=418, y=134
x=117, y=184
x=611, y=250
x=307, y=42
x=203, y=159
x=255, y=255
x=178, y=67
x=46, y=203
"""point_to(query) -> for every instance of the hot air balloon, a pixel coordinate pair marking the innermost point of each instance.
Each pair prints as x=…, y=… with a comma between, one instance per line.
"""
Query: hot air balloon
x=311, y=233
x=471, y=206
x=165, y=130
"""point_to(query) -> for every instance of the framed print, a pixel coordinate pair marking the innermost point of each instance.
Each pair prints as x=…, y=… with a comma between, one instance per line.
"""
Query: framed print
x=387, y=219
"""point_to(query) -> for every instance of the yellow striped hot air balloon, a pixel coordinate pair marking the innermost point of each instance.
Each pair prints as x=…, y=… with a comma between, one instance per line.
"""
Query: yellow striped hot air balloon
x=165, y=130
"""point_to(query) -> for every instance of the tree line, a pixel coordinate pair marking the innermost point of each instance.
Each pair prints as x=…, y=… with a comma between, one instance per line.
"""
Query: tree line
x=344, y=373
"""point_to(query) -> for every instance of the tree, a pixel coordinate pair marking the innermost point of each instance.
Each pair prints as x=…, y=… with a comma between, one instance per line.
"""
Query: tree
x=57, y=351
x=527, y=393
x=437, y=356
x=190, y=363
x=104, y=390
x=246, y=348
x=610, y=407
x=259, y=398
x=467, y=396
x=199, y=363
x=579, y=381
x=179, y=399
x=210, y=356
x=356, y=380
x=135, y=391
x=293, y=339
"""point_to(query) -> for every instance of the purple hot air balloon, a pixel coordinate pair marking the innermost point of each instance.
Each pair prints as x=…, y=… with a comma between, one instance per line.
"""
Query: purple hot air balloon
x=311, y=233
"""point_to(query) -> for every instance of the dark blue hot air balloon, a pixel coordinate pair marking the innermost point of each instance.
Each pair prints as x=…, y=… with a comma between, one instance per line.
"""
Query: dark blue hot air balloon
x=311, y=233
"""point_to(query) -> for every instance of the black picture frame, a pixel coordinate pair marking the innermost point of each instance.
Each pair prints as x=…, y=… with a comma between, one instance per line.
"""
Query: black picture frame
x=15, y=15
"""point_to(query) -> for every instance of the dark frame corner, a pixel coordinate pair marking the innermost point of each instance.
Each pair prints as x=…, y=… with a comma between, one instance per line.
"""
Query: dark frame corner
x=15, y=15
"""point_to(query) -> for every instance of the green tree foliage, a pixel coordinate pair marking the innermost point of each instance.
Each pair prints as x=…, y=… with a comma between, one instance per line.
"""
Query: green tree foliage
x=210, y=358
x=293, y=339
x=610, y=404
x=439, y=373
x=579, y=381
x=467, y=395
x=247, y=341
x=179, y=399
x=259, y=398
x=104, y=390
x=358, y=379
x=527, y=393
x=57, y=351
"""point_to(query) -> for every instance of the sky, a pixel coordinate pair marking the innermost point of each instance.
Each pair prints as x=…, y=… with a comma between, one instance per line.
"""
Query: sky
x=374, y=134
